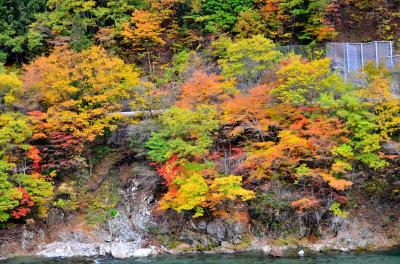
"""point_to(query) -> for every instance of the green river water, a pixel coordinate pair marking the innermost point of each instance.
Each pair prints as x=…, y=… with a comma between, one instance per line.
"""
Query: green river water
x=387, y=257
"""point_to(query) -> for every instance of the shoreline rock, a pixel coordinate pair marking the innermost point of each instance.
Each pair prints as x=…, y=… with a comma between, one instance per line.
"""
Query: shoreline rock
x=73, y=249
x=118, y=250
x=123, y=250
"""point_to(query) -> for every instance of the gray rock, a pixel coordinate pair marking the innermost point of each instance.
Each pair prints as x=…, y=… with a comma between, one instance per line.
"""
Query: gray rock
x=41, y=235
x=104, y=249
x=70, y=249
x=220, y=230
x=217, y=230
x=235, y=232
x=276, y=251
x=27, y=239
x=102, y=235
x=199, y=225
x=194, y=238
x=138, y=195
x=184, y=247
x=55, y=217
x=73, y=237
x=122, y=229
x=318, y=247
x=391, y=147
x=226, y=244
x=118, y=250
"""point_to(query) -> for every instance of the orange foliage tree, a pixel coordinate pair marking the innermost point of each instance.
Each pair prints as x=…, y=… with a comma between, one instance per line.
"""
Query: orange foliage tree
x=246, y=113
x=143, y=32
x=203, y=88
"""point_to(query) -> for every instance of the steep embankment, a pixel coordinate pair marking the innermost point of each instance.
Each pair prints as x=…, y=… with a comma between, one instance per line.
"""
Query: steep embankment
x=138, y=225
x=139, y=229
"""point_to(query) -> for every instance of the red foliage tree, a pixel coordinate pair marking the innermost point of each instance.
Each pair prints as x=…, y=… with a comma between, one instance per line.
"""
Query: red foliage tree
x=34, y=155
x=25, y=205
x=58, y=150
x=169, y=170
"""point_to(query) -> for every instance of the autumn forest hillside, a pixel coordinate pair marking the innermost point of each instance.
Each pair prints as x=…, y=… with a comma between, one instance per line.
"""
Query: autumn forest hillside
x=238, y=111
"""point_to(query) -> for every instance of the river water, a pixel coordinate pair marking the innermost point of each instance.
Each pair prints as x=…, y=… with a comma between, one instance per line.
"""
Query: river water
x=387, y=257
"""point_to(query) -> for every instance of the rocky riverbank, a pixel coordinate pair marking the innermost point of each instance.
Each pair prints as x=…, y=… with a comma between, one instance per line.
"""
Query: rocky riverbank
x=68, y=242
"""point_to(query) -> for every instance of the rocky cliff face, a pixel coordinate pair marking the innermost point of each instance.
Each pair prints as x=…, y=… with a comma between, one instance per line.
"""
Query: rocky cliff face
x=123, y=234
x=139, y=229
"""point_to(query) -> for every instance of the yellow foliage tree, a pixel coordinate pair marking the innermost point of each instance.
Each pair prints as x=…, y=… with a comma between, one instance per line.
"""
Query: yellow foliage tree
x=10, y=84
x=191, y=189
x=79, y=90
x=303, y=82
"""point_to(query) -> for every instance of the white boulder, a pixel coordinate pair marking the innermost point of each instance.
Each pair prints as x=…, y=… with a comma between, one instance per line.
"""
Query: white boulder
x=266, y=249
x=120, y=250
x=143, y=252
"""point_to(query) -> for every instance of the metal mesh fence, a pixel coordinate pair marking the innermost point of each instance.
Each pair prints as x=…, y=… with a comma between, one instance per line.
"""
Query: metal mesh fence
x=306, y=51
x=369, y=52
x=385, y=53
x=349, y=58
x=354, y=56
x=336, y=51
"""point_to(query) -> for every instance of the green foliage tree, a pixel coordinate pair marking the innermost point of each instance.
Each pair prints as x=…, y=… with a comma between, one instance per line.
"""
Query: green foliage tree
x=71, y=22
x=116, y=12
x=299, y=21
x=15, y=18
x=246, y=59
x=14, y=132
x=183, y=132
x=76, y=22
x=249, y=24
x=9, y=194
x=180, y=64
x=216, y=16
x=15, y=177
x=364, y=108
